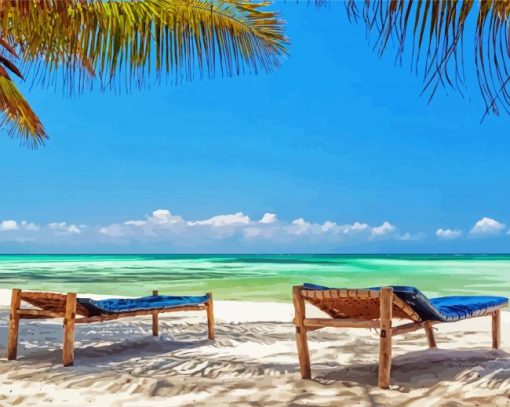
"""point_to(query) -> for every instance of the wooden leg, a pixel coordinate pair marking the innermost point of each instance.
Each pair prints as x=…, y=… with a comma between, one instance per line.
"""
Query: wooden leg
x=301, y=339
x=496, y=329
x=12, y=342
x=155, y=318
x=386, y=305
x=210, y=316
x=431, y=339
x=70, y=314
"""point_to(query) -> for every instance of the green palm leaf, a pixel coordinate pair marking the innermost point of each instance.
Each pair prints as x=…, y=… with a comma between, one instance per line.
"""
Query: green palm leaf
x=17, y=116
x=118, y=44
x=436, y=30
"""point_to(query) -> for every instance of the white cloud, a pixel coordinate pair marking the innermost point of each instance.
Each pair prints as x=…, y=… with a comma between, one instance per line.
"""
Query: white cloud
x=268, y=218
x=222, y=220
x=254, y=232
x=448, y=234
x=487, y=226
x=329, y=226
x=29, y=226
x=112, y=230
x=135, y=222
x=158, y=218
x=163, y=217
x=164, y=230
x=333, y=227
x=385, y=229
x=299, y=226
x=63, y=228
x=8, y=225
x=357, y=227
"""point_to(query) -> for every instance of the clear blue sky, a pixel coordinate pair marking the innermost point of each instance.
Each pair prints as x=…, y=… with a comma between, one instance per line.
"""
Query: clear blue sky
x=337, y=134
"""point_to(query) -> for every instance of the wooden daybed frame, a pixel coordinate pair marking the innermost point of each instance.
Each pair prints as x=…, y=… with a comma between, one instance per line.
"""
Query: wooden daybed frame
x=365, y=308
x=52, y=305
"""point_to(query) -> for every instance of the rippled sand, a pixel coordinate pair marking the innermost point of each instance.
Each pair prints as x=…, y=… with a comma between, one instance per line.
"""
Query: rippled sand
x=253, y=362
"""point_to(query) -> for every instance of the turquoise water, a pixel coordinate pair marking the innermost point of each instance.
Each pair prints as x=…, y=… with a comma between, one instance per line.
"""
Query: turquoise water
x=253, y=277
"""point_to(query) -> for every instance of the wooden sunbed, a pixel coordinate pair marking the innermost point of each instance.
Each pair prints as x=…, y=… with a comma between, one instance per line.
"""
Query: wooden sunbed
x=52, y=305
x=368, y=308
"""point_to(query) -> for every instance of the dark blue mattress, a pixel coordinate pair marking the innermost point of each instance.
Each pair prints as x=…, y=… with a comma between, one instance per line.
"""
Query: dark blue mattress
x=441, y=308
x=117, y=305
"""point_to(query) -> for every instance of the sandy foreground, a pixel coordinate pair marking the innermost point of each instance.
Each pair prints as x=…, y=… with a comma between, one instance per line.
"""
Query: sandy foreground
x=253, y=362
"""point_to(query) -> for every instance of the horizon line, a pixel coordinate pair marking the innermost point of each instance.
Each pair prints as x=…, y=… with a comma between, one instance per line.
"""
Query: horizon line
x=260, y=254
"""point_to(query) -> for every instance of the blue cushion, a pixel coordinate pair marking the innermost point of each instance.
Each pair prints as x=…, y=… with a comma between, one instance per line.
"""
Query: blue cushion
x=464, y=306
x=116, y=305
x=441, y=308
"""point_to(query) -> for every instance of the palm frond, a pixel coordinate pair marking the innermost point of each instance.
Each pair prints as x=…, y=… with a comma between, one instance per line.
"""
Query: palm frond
x=119, y=43
x=17, y=115
x=125, y=42
x=437, y=30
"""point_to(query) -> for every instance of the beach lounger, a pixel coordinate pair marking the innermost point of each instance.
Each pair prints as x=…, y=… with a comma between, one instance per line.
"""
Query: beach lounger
x=52, y=305
x=375, y=308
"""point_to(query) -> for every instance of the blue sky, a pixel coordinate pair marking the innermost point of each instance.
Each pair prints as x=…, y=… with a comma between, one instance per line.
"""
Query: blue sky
x=337, y=136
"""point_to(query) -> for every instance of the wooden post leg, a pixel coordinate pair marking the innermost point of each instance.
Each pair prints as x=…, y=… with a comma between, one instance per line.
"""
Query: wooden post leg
x=70, y=314
x=301, y=339
x=210, y=316
x=496, y=329
x=155, y=318
x=431, y=339
x=386, y=305
x=12, y=342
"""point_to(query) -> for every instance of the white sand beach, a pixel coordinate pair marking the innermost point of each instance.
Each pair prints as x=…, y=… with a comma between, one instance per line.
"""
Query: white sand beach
x=253, y=362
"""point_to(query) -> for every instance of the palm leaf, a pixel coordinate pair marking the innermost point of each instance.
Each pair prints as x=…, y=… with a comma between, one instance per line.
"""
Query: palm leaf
x=142, y=39
x=118, y=44
x=437, y=30
x=17, y=115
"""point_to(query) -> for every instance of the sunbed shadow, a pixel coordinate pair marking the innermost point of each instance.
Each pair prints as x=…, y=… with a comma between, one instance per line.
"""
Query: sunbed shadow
x=119, y=357
x=117, y=342
x=426, y=367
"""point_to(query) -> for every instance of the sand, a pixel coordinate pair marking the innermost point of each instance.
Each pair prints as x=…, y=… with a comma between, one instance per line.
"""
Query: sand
x=253, y=362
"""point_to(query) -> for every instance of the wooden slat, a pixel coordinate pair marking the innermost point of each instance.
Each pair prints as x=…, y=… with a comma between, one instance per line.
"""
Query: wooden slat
x=405, y=308
x=27, y=295
x=355, y=303
x=301, y=337
x=210, y=316
x=363, y=294
x=429, y=332
x=411, y=327
x=339, y=323
x=155, y=318
x=386, y=302
x=70, y=315
x=109, y=317
x=496, y=329
x=39, y=313
x=50, y=301
x=12, y=342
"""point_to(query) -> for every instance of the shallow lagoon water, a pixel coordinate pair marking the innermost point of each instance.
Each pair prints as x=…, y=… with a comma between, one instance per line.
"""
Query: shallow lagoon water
x=253, y=277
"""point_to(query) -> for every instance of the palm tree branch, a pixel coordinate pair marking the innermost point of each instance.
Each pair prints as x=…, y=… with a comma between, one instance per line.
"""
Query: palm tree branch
x=17, y=115
x=177, y=37
x=437, y=29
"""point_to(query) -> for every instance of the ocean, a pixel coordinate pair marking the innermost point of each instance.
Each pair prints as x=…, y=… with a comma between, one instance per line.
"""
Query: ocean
x=253, y=277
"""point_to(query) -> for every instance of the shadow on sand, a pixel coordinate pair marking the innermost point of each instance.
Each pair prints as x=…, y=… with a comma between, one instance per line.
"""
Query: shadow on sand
x=123, y=356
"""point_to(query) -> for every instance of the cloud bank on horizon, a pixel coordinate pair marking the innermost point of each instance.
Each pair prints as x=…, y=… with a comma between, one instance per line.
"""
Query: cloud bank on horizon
x=163, y=229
